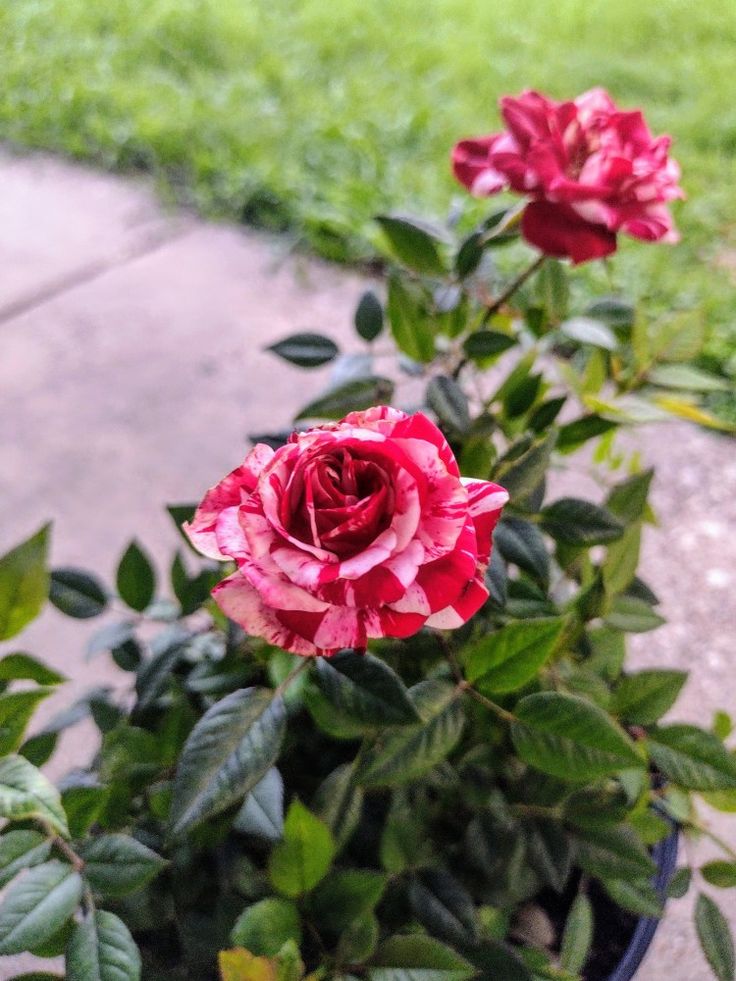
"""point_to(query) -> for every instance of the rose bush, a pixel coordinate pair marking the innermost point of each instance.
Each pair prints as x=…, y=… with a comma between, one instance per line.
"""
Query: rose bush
x=356, y=529
x=590, y=170
x=490, y=801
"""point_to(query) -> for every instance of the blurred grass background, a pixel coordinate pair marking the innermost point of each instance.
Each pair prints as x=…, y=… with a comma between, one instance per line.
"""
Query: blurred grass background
x=309, y=116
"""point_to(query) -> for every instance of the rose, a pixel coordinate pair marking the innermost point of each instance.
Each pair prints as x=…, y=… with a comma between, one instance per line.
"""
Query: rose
x=356, y=529
x=590, y=169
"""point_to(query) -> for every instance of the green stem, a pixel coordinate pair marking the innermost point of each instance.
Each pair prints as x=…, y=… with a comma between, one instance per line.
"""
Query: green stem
x=502, y=713
x=63, y=846
x=537, y=810
x=280, y=689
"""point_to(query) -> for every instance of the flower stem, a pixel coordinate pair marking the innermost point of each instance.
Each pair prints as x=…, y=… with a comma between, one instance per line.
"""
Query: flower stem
x=281, y=688
x=502, y=713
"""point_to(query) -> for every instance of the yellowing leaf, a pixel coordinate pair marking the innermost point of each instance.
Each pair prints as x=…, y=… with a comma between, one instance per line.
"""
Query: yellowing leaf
x=240, y=965
x=686, y=410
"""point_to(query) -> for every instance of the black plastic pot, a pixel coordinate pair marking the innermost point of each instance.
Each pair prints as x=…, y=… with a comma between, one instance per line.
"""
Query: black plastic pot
x=664, y=854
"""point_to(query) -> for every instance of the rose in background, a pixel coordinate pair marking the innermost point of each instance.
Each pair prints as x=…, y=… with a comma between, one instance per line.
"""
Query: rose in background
x=360, y=528
x=590, y=169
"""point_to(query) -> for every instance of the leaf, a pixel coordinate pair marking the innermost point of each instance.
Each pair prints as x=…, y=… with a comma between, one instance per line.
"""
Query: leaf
x=412, y=244
x=410, y=325
x=83, y=804
x=77, y=593
x=353, y=396
x=16, y=709
x=720, y=873
x=262, y=813
x=679, y=883
x=522, y=543
x=569, y=737
x=369, y=316
x=407, y=754
x=102, y=949
x=339, y=803
x=546, y=413
x=443, y=906
x=614, y=852
x=26, y=793
x=644, y=697
x=418, y=958
x=637, y=896
x=621, y=561
x=577, y=937
x=685, y=376
x=506, y=660
x=586, y=330
x=21, y=850
x=683, y=408
x=469, y=255
x=266, y=926
x=116, y=864
x=554, y=289
x=366, y=689
x=632, y=615
x=303, y=858
x=135, y=578
x=110, y=637
x=522, y=475
x=574, y=434
x=679, y=338
x=359, y=940
x=486, y=344
x=449, y=403
x=24, y=583
x=549, y=852
x=154, y=675
x=37, y=905
x=613, y=310
x=577, y=522
x=344, y=896
x=229, y=750
x=307, y=350
x=715, y=937
x=692, y=758
x=22, y=667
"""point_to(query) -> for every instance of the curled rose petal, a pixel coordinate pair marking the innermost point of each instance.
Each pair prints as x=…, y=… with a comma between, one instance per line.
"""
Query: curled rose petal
x=589, y=169
x=354, y=530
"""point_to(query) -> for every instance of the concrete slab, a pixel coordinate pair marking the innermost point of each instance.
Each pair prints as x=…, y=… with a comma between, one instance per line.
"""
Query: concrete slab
x=135, y=385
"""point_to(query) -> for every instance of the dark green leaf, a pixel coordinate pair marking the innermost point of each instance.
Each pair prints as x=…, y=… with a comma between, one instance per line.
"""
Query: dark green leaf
x=39, y=749
x=369, y=316
x=418, y=958
x=638, y=896
x=308, y=350
x=21, y=850
x=24, y=583
x=22, y=667
x=77, y=593
x=16, y=709
x=359, y=940
x=102, y=949
x=554, y=289
x=715, y=938
x=366, y=689
x=644, y=697
x=578, y=935
x=720, y=873
x=227, y=753
x=449, y=403
x=37, y=905
x=135, y=578
x=443, y=906
x=486, y=344
x=262, y=813
x=83, y=804
x=506, y=660
x=521, y=475
x=522, y=396
x=549, y=851
x=154, y=675
x=613, y=310
x=410, y=325
x=522, y=543
x=26, y=793
x=412, y=243
x=469, y=255
x=577, y=522
x=586, y=330
x=266, y=926
x=574, y=434
x=403, y=844
x=632, y=615
x=117, y=864
x=679, y=883
x=614, y=852
x=303, y=858
x=353, y=396
x=546, y=413
x=339, y=803
x=412, y=751
x=692, y=758
x=569, y=737
x=344, y=896
x=628, y=499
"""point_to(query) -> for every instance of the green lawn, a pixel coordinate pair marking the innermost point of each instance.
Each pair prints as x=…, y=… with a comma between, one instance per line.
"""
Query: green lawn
x=312, y=115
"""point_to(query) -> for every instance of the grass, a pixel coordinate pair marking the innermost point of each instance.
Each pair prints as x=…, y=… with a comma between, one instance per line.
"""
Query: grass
x=313, y=115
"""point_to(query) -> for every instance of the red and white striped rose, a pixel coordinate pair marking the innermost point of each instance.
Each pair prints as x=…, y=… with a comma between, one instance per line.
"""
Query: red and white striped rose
x=356, y=529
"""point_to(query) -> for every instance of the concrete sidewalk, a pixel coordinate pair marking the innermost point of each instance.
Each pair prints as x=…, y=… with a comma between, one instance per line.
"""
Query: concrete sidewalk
x=132, y=370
